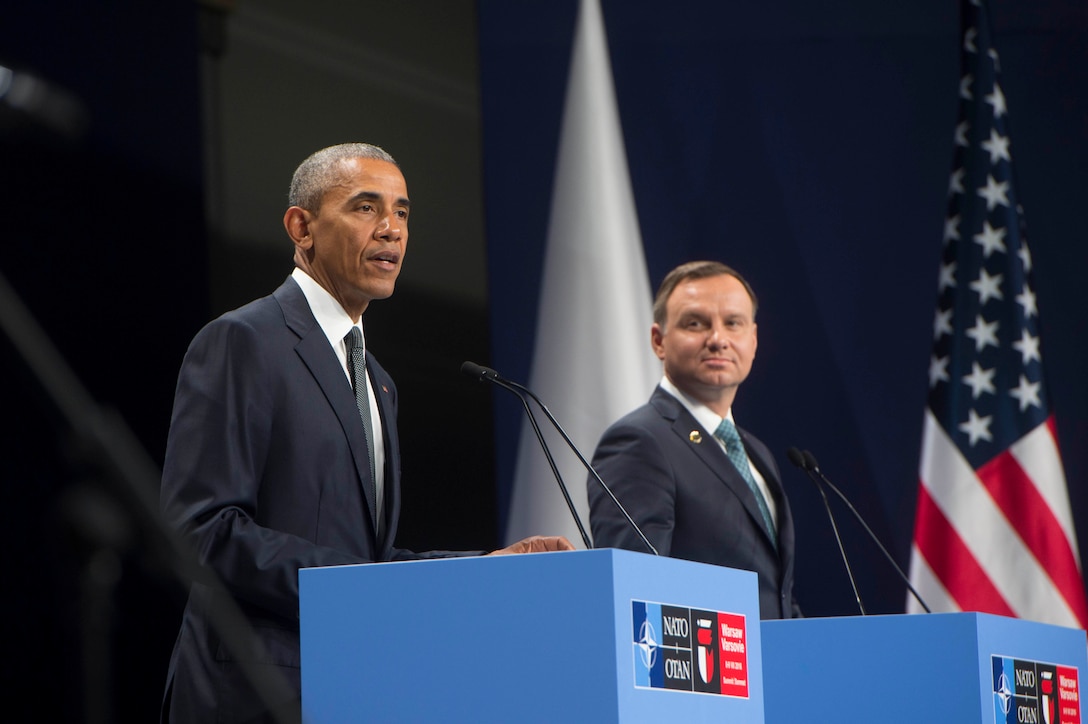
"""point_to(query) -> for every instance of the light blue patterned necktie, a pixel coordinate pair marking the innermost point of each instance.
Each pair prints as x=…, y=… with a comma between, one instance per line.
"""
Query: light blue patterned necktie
x=734, y=448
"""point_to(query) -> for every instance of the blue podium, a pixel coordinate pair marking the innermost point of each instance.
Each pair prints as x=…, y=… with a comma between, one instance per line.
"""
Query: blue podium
x=962, y=668
x=596, y=636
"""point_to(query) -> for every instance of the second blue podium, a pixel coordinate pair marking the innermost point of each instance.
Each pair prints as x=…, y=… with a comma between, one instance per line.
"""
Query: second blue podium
x=963, y=668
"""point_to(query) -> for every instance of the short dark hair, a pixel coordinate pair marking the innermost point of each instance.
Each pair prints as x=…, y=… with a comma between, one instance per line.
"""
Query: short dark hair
x=321, y=169
x=695, y=270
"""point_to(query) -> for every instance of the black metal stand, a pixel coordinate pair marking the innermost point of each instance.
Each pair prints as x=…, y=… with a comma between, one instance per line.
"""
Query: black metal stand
x=123, y=511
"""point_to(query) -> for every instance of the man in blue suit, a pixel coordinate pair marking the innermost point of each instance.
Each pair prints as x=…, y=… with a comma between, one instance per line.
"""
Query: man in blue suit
x=283, y=451
x=699, y=487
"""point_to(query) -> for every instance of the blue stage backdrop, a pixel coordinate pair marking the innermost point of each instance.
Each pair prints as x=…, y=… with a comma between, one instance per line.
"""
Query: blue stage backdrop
x=808, y=145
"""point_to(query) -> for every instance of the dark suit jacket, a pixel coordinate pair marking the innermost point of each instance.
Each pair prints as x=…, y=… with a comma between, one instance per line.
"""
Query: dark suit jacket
x=689, y=499
x=264, y=474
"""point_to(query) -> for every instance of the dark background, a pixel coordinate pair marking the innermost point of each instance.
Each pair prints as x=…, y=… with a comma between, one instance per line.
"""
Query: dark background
x=118, y=243
x=806, y=144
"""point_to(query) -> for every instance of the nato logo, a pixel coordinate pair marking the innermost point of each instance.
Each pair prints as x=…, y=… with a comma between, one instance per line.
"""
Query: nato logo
x=649, y=666
x=690, y=650
x=1034, y=692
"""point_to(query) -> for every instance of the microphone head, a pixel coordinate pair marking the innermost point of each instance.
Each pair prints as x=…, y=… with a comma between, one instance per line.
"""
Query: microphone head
x=796, y=458
x=480, y=372
x=474, y=370
x=810, y=461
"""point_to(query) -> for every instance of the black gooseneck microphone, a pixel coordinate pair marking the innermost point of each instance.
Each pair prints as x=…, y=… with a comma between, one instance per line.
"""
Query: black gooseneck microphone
x=797, y=458
x=482, y=373
x=810, y=464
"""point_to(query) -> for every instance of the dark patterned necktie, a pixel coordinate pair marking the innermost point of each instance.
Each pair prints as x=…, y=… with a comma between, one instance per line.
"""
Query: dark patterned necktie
x=357, y=365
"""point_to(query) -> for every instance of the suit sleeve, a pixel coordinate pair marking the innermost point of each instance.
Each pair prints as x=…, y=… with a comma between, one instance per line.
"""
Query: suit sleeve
x=630, y=460
x=221, y=432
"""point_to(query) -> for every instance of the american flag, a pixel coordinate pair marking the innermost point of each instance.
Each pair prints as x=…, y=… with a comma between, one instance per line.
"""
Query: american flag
x=993, y=529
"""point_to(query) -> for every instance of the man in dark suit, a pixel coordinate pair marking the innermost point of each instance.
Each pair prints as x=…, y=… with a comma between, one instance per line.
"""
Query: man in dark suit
x=283, y=450
x=699, y=487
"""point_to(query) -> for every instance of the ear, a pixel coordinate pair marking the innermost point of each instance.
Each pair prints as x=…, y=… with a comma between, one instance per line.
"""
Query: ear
x=296, y=220
x=657, y=338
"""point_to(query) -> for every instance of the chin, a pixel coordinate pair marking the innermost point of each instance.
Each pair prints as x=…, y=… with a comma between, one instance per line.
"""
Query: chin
x=382, y=290
x=721, y=382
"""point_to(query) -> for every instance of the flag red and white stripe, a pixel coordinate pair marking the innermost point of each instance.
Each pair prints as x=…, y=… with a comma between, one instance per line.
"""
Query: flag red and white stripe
x=998, y=539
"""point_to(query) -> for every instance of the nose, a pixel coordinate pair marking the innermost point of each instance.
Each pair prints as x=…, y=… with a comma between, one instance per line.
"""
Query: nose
x=717, y=339
x=390, y=228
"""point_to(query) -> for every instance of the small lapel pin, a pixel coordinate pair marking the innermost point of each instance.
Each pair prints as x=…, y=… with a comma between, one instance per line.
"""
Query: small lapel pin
x=385, y=389
x=695, y=436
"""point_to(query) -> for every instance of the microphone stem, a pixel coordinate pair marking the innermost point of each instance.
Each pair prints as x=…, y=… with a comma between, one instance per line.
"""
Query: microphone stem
x=585, y=463
x=551, y=461
x=835, y=528
x=904, y=576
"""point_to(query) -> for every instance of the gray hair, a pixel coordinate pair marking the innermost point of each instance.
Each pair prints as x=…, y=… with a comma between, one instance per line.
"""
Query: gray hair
x=321, y=170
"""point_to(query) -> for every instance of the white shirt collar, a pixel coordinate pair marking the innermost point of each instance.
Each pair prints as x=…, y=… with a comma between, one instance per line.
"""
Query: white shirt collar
x=702, y=414
x=330, y=316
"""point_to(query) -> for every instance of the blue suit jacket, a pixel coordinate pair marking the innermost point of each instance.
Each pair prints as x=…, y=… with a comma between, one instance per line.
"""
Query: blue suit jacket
x=689, y=499
x=264, y=474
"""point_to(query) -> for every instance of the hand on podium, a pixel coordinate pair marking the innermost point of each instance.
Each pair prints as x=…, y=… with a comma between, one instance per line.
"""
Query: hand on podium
x=536, y=544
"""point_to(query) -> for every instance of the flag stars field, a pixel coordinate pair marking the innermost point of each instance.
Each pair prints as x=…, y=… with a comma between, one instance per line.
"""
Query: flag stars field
x=961, y=140
x=1026, y=300
x=1028, y=347
x=952, y=226
x=955, y=185
x=1027, y=393
x=942, y=323
x=991, y=239
x=965, y=87
x=980, y=380
x=948, y=277
x=977, y=428
x=997, y=98
x=987, y=287
x=995, y=192
x=997, y=146
x=1025, y=255
x=984, y=333
x=938, y=370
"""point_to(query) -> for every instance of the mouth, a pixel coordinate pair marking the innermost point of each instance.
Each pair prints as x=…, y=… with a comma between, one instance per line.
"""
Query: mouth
x=387, y=259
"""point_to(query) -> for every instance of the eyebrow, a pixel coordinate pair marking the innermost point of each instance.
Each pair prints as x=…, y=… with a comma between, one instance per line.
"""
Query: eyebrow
x=373, y=196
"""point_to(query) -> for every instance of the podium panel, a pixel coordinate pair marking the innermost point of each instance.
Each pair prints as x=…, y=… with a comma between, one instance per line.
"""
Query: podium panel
x=965, y=668
x=597, y=636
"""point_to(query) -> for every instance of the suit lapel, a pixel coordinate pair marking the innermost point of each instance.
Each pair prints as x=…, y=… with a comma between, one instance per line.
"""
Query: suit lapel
x=774, y=483
x=314, y=350
x=704, y=446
